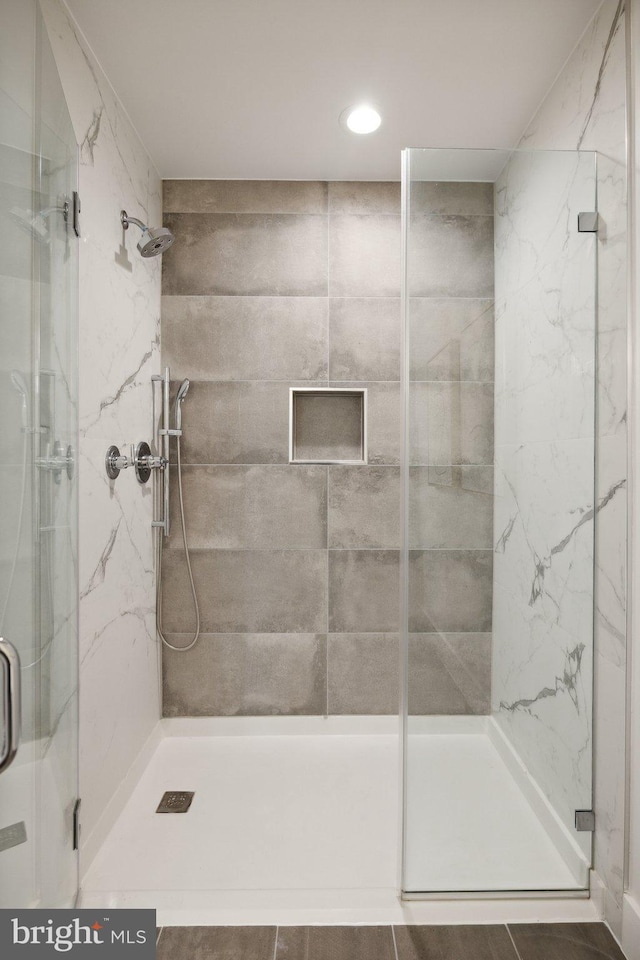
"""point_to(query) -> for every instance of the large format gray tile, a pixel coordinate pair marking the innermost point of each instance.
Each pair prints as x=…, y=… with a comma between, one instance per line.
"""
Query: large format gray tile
x=451, y=339
x=564, y=941
x=364, y=337
x=490, y=942
x=450, y=591
x=217, y=943
x=334, y=943
x=247, y=591
x=244, y=196
x=383, y=419
x=363, y=591
x=451, y=256
x=448, y=198
x=362, y=673
x=245, y=674
x=451, y=423
x=450, y=673
x=364, y=255
x=364, y=196
x=245, y=338
x=451, y=507
x=236, y=423
x=328, y=426
x=259, y=507
x=246, y=254
x=364, y=507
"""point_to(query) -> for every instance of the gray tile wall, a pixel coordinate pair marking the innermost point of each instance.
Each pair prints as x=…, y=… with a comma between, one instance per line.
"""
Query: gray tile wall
x=451, y=447
x=271, y=285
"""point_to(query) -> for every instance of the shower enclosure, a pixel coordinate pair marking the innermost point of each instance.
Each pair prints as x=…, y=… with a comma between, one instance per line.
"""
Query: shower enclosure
x=498, y=517
x=38, y=482
x=285, y=712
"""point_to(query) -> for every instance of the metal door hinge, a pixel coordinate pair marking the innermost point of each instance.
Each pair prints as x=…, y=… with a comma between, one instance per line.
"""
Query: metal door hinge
x=77, y=206
x=588, y=222
x=585, y=821
x=76, y=824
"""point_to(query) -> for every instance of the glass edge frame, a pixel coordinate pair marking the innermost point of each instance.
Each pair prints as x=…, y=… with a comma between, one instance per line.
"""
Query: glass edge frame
x=404, y=521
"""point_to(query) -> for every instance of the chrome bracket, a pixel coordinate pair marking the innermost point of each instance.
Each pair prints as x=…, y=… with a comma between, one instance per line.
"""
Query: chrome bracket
x=588, y=222
x=585, y=821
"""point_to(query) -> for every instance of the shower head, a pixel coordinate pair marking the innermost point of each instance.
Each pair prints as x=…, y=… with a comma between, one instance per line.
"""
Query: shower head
x=154, y=240
x=180, y=395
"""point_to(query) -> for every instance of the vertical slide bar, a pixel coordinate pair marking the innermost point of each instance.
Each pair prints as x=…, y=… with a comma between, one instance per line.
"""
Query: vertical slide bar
x=166, y=387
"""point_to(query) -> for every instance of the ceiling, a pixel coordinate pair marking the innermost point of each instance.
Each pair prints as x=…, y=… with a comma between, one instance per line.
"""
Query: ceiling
x=253, y=89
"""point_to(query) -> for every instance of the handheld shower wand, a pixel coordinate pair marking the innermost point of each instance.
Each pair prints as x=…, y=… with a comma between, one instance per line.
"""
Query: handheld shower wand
x=181, y=394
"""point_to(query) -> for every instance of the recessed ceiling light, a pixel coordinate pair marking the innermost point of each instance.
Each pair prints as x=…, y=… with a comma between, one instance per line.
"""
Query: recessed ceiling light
x=362, y=118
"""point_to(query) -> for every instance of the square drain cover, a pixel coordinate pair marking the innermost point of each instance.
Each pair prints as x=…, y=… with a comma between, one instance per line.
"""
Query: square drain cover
x=175, y=801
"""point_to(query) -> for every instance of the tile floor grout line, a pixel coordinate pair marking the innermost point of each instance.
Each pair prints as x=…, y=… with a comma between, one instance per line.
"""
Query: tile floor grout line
x=275, y=944
x=393, y=937
x=513, y=942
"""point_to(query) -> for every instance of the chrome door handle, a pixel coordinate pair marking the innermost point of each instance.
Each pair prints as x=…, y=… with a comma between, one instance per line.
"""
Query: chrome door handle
x=12, y=689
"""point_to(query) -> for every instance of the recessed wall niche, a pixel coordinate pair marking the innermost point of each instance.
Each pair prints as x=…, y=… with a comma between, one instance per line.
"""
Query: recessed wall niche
x=327, y=425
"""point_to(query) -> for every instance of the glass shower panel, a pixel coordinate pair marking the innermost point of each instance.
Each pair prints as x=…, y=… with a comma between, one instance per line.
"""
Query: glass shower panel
x=498, y=479
x=38, y=486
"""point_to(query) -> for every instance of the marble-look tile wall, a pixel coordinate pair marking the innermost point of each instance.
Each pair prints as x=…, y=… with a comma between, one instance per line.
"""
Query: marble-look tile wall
x=586, y=109
x=119, y=314
x=544, y=465
x=279, y=284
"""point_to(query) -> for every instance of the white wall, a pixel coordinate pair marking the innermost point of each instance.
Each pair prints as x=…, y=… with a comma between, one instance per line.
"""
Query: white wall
x=118, y=352
x=585, y=109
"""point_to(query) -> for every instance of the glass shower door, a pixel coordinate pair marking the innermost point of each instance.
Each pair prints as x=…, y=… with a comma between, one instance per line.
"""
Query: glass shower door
x=498, y=470
x=38, y=486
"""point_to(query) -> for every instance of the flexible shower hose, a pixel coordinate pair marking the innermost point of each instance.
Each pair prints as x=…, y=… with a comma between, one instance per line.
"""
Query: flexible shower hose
x=193, y=642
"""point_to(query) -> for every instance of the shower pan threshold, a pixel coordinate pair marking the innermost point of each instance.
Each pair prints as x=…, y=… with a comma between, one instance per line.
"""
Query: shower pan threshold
x=294, y=821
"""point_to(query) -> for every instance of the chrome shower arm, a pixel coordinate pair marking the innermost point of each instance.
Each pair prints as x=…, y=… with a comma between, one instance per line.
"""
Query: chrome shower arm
x=125, y=220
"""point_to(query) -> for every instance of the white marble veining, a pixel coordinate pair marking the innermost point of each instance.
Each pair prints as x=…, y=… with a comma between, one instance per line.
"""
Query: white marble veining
x=585, y=109
x=118, y=352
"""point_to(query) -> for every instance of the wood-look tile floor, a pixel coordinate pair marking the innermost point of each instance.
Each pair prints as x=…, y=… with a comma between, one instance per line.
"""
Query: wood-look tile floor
x=525, y=941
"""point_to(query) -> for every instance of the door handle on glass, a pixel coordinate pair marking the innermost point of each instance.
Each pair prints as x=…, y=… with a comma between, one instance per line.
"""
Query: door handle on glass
x=11, y=708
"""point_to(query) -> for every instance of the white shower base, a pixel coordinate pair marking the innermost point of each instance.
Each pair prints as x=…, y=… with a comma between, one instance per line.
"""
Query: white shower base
x=295, y=820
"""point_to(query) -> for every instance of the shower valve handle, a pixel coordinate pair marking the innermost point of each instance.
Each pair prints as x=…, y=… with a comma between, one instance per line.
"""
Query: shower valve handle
x=115, y=461
x=144, y=462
